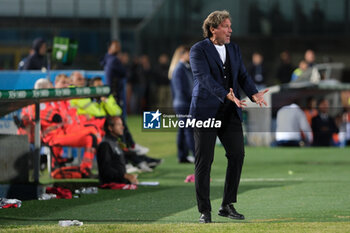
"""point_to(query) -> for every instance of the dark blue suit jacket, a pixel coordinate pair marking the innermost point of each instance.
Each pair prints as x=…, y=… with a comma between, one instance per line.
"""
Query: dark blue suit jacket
x=114, y=71
x=207, y=68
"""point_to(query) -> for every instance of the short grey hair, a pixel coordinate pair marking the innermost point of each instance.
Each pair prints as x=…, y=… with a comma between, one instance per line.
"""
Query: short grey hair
x=42, y=83
x=214, y=20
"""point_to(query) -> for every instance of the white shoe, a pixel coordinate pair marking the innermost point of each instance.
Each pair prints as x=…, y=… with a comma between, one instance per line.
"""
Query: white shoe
x=144, y=167
x=131, y=169
x=139, y=150
x=190, y=158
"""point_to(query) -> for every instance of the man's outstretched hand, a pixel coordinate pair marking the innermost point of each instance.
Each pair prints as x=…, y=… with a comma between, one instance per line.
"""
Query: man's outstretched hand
x=231, y=96
x=259, y=98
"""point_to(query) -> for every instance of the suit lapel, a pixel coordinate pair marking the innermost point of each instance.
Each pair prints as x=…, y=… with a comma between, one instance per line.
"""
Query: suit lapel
x=213, y=52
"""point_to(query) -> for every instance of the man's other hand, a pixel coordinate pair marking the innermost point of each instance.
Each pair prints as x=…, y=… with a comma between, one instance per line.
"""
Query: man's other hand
x=259, y=98
x=231, y=96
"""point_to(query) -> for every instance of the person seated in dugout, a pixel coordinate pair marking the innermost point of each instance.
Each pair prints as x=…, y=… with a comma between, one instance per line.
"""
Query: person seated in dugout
x=70, y=118
x=56, y=133
x=88, y=112
x=109, y=107
x=62, y=81
x=111, y=157
x=72, y=121
x=96, y=109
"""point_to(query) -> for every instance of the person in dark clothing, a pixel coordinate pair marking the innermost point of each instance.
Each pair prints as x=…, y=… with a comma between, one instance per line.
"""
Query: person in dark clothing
x=23, y=61
x=147, y=82
x=110, y=106
x=218, y=73
x=323, y=126
x=286, y=68
x=257, y=70
x=110, y=156
x=162, y=81
x=36, y=60
x=181, y=85
x=310, y=57
x=113, y=155
x=115, y=73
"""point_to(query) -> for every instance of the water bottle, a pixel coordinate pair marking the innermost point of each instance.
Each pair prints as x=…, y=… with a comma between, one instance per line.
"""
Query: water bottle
x=88, y=190
x=47, y=196
x=68, y=223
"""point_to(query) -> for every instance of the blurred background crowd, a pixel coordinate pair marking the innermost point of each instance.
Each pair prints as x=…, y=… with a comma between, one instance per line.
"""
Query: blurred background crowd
x=282, y=41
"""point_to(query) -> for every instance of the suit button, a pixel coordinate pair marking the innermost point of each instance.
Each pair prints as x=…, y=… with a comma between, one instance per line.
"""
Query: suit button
x=224, y=67
x=225, y=76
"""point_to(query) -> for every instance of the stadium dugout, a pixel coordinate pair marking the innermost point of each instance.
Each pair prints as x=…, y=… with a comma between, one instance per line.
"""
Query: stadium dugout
x=12, y=100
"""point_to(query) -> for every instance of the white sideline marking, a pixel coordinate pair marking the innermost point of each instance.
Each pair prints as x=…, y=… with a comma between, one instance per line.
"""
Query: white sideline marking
x=263, y=179
x=269, y=179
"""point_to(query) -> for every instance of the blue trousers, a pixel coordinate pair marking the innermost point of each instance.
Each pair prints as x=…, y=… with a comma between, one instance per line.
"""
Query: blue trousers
x=185, y=140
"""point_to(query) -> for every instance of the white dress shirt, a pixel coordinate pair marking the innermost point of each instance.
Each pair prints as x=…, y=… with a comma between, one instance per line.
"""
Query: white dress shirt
x=222, y=52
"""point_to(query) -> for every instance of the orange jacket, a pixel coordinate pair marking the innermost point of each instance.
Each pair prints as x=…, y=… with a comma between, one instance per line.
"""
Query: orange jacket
x=51, y=121
x=28, y=118
x=69, y=115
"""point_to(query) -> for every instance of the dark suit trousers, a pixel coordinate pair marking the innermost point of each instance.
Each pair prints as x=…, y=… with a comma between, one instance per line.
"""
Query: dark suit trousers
x=231, y=136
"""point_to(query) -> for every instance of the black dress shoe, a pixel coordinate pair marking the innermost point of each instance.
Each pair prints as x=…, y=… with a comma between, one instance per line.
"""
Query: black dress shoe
x=230, y=212
x=185, y=160
x=205, y=217
x=152, y=163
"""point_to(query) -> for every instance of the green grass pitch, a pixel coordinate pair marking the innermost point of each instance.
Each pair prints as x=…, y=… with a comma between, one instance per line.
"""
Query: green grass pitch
x=281, y=190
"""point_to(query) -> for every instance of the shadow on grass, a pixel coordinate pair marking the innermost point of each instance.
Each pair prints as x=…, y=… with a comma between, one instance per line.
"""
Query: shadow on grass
x=146, y=204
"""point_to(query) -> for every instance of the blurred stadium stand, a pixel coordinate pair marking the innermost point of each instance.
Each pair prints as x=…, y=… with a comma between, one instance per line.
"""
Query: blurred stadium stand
x=158, y=26
x=136, y=9
x=268, y=26
x=88, y=21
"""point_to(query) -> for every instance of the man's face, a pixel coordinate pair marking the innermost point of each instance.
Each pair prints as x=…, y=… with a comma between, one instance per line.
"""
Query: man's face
x=324, y=106
x=42, y=50
x=114, y=48
x=78, y=79
x=257, y=59
x=62, y=83
x=222, y=34
x=118, y=128
x=124, y=58
x=303, y=65
x=186, y=56
x=310, y=56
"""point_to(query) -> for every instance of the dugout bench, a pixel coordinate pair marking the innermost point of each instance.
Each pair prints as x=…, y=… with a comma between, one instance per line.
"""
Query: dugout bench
x=12, y=100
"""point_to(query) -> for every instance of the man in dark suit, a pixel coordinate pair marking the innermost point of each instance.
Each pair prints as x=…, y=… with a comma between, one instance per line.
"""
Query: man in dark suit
x=218, y=72
x=323, y=126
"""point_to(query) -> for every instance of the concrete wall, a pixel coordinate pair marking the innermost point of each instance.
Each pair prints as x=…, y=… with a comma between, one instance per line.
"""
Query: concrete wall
x=14, y=159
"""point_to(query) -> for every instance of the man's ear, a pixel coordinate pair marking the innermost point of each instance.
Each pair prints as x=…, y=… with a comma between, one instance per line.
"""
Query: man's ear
x=110, y=128
x=212, y=29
